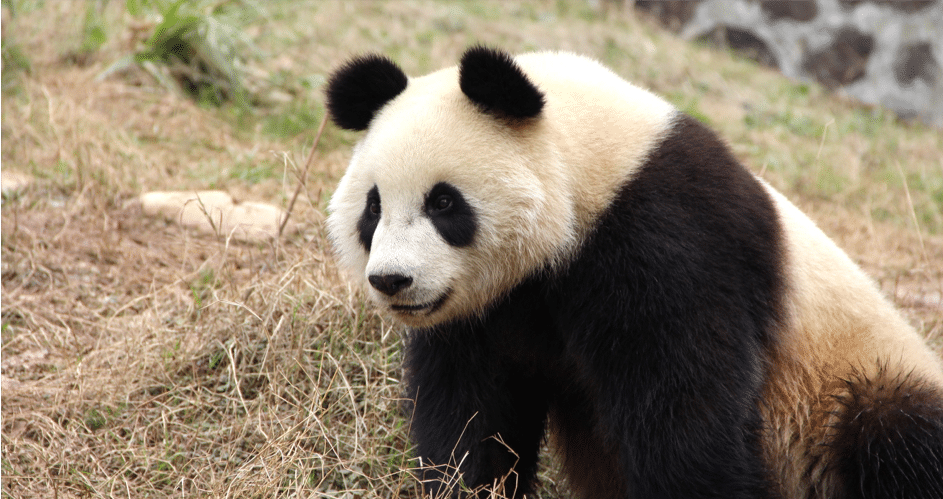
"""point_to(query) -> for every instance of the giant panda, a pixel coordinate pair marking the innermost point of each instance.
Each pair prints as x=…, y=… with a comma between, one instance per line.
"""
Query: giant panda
x=576, y=259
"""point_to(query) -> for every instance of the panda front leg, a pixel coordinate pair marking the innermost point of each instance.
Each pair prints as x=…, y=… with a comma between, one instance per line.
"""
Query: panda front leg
x=477, y=420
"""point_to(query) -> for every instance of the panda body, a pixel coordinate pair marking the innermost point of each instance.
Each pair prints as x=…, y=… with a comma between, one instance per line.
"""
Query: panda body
x=571, y=253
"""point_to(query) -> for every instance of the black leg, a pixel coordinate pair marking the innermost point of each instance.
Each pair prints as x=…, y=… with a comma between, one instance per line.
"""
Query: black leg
x=473, y=412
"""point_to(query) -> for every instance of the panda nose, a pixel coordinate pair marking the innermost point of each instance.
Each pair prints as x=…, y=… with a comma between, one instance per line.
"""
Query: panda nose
x=389, y=284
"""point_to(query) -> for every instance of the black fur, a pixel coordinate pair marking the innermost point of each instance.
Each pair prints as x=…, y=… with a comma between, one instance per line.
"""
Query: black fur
x=478, y=397
x=370, y=218
x=451, y=215
x=888, y=442
x=493, y=81
x=389, y=284
x=456, y=222
x=647, y=351
x=362, y=86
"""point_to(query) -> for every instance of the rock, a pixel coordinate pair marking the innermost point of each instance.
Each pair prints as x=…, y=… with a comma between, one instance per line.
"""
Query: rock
x=215, y=212
x=13, y=182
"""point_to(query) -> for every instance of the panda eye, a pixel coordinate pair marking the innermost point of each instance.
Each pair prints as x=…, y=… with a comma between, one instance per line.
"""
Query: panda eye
x=375, y=207
x=442, y=202
x=453, y=217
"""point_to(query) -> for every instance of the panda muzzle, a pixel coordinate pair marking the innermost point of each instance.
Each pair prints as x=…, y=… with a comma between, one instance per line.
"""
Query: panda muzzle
x=429, y=307
x=390, y=284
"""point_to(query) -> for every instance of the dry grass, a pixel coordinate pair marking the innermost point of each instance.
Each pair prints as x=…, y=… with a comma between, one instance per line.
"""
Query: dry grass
x=139, y=359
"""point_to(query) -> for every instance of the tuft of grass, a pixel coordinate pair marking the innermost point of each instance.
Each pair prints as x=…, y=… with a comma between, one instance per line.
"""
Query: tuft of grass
x=15, y=63
x=95, y=420
x=202, y=287
x=93, y=30
x=196, y=48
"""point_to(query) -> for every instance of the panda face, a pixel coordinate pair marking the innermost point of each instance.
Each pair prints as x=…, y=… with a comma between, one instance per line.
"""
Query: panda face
x=443, y=208
x=408, y=268
x=473, y=178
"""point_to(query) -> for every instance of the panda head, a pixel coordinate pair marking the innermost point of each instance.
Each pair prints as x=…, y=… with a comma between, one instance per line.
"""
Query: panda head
x=455, y=193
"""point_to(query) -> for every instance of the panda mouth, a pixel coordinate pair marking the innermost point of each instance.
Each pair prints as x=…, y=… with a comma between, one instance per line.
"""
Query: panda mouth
x=428, y=308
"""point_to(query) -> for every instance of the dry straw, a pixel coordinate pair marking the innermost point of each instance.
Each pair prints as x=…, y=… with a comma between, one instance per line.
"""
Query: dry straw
x=143, y=360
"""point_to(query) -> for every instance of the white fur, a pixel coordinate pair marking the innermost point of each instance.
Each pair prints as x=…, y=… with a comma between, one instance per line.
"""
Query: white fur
x=838, y=327
x=835, y=310
x=536, y=189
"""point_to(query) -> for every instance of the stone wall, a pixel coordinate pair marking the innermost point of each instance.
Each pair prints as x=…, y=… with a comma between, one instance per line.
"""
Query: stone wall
x=886, y=52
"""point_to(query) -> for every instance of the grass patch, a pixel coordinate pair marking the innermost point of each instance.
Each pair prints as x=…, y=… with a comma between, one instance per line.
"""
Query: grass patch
x=93, y=30
x=252, y=173
x=140, y=359
x=293, y=120
x=15, y=63
x=198, y=48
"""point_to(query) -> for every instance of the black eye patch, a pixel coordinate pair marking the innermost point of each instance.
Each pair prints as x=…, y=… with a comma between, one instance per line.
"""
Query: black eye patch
x=452, y=216
x=369, y=219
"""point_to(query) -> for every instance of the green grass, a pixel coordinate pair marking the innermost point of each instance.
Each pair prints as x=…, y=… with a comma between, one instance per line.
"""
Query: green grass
x=292, y=120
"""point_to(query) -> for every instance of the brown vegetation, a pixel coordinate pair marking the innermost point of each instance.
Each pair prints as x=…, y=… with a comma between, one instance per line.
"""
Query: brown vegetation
x=142, y=359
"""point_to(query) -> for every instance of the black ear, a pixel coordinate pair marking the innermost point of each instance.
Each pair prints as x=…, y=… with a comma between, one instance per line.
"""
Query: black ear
x=357, y=90
x=491, y=79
